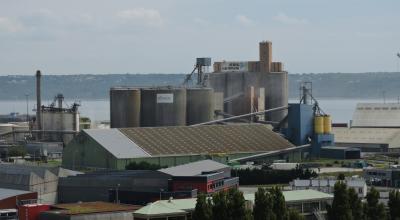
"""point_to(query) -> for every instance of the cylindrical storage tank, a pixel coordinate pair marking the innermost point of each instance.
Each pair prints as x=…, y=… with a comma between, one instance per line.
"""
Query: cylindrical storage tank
x=319, y=124
x=199, y=105
x=327, y=124
x=276, y=94
x=163, y=107
x=124, y=107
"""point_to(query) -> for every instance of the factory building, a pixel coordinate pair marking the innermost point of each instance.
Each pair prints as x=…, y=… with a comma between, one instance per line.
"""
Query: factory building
x=249, y=86
x=369, y=139
x=169, y=146
x=375, y=127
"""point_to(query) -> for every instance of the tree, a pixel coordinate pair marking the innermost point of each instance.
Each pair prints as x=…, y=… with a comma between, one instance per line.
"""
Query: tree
x=236, y=205
x=220, y=206
x=374, y=210
x=355, y=204
x=278, y=203
x=203, y=210
x=17, y=151
x=340, y=208
x=294, y=215
x=341, y=176
x=263, y=205
x=394, y=205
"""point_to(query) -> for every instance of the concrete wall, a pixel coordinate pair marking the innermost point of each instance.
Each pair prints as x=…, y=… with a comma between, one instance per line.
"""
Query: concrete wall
x=231, y=83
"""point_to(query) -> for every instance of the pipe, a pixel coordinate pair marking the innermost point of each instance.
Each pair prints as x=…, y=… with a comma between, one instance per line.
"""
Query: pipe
x=242, y=116
x=271, y=153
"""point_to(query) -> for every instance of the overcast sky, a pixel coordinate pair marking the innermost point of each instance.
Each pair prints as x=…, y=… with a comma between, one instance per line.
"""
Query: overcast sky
x=120, y=36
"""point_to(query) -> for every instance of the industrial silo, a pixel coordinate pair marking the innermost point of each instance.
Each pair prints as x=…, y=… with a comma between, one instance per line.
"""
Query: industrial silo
x=124, y=107
x=276, y=94
x=163, y=107
x=199, y=105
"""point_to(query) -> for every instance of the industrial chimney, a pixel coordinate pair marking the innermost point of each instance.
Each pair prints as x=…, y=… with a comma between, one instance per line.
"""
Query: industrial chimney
x=38, y=102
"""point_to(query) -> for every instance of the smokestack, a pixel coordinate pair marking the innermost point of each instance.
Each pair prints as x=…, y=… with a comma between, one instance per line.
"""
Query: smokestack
x=38, y=101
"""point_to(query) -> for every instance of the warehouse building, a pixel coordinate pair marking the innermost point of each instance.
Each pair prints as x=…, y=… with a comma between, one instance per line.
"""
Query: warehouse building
x=206, y=176
x=136, y=186
x=89, y=211
x=307, y=202
x=169, y=146
x=41, y=180
x=327, y=185
x=375, y=127
x=376, y=115
x=10, y=198
x=368, y=139
x=340, y=153
x=140, y=187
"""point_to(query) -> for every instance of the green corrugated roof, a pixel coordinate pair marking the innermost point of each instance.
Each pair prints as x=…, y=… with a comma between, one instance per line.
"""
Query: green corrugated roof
x=210, y=139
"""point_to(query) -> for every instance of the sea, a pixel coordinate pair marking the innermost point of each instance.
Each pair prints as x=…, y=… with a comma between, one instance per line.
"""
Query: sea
x=340, y=109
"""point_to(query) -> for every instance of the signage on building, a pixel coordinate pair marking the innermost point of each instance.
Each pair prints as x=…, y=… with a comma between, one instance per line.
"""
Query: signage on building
x=165, y=98
x=234, y=66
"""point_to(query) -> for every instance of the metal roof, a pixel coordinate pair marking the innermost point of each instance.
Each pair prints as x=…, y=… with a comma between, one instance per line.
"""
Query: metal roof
x=376, y=115
x=167, y=207
x=195, y=168
x=181, y=206
x=210, y=139
x=298, y=195
x=7, y=193
x=116, y=143
x=302, y=195
x=390, y=136
x=92, y=207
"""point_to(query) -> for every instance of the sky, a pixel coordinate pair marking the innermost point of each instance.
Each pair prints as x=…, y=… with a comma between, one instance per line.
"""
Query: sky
x=165, y=36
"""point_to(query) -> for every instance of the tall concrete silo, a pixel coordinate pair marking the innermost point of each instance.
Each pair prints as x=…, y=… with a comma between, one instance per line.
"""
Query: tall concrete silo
x=163, y=107
x=199, y=105
x=276, y=94
x=125, y=107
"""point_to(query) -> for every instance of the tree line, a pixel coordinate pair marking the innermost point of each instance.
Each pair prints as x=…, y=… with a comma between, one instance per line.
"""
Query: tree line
x=269, y=176
x=347, y=205
x=268, y=205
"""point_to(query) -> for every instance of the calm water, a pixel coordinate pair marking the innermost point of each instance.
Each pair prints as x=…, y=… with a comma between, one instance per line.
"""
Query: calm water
x=99, y=110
